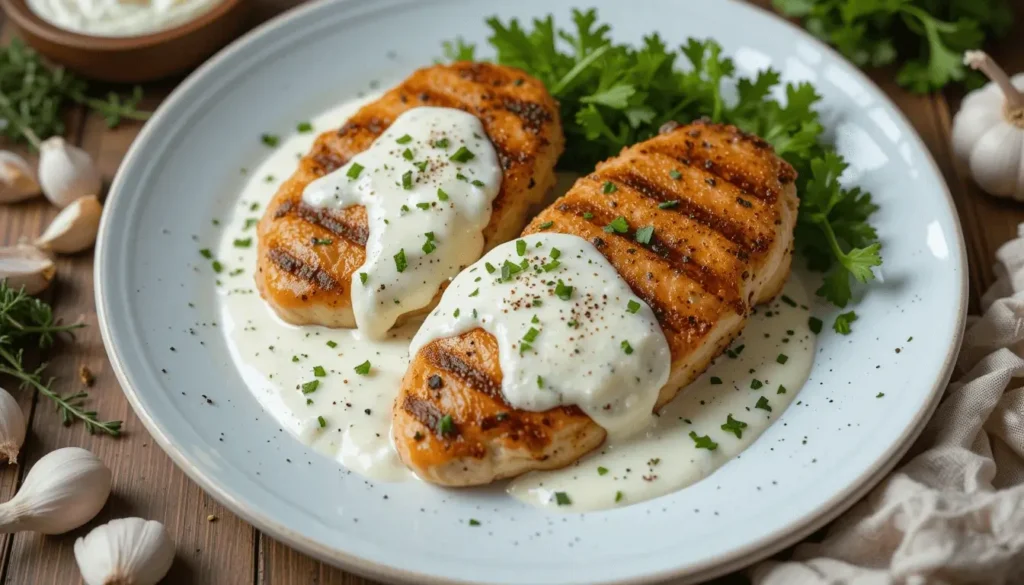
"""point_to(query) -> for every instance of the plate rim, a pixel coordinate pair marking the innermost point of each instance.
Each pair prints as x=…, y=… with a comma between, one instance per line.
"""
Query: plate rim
x=709, y=568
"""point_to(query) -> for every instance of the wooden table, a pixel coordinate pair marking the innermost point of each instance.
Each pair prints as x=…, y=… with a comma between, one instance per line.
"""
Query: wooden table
x=214, y=546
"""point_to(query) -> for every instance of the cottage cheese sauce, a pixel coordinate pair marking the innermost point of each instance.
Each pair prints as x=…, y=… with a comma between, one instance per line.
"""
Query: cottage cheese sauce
x=119, y=18
x=569, y=330
x=427, y=184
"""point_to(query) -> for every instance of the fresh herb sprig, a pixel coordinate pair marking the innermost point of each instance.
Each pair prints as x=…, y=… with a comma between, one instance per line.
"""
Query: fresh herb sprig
x=25, y=322
x=33, y=95
x=928, y=37
x=614, y=95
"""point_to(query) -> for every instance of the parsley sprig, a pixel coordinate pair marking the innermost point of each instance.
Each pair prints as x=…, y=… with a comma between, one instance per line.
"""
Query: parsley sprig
x=614, y=95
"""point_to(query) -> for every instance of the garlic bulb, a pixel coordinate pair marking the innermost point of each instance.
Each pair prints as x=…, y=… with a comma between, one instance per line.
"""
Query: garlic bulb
x=12, y=427
x=66, y=172
x=988, y=131
x=24, y=266
x=63, y=490
x=129, y=551
x=17, y=180
x=74, y=229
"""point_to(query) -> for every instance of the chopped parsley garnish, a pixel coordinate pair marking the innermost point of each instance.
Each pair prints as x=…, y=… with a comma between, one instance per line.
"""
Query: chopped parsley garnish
x=405, y=209
x=363, y=277
x=304, y=127
x=404, y=139
x=782, y=389
x=429, y=245
x=704, y=442
x=788, y=301
x=521, y=247
x=462, y=155
x=319, y=371
x=756, y=384
x=441, y=195
x=332, y=344
x=562, y=499
x=270, y=139
x=407, y=154
x=441, y=143
x=602, y=470
x=508, y=270
x=842, y=323
x=675, y=174
x=815, y=324
x=310, y=387
x=668, y=204
x=217, y=266
x=716, y=380
x=354, y=170
x=474, y=522
x=762, y=403
x=783, y=358
x=535, y=320
x=423, y=205
x=531, y=335
x=643, y=235
x=556, y=253
x=475, y=292
x=551, y=265
x=456, y=312
x=407, y=180
x=546, y=225
x=322, y=241
x=400, y=262
x=619, y=496
x=242, y=242
x=446, y=426
x=608, y=188
x=206, y=253
x=734, y=426
x=626, y=347
x=322, y=421
x=363, y=368
x=489, y=267
x=880, y=394
x=477, y=183
x=563, y=291
x=618, y=225
x=588, y=215
x=540, y=382
x=421, y=166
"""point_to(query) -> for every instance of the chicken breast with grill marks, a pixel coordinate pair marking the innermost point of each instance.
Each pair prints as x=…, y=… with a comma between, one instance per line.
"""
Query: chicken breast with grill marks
x=307, y=283
x=723, y=207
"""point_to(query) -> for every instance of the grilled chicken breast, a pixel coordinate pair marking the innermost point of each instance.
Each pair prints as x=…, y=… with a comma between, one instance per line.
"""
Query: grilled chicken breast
x=723, y=206
x=310, y=284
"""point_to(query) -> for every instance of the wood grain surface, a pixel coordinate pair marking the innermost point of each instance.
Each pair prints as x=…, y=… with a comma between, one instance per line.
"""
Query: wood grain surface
x=213, y=546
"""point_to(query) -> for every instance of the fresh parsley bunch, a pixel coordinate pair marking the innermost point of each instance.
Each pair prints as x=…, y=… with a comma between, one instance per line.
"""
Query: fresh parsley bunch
x=614, y=95
x=928, y=36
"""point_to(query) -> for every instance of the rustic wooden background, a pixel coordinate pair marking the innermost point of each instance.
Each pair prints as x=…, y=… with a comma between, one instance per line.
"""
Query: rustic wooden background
x=214, y=547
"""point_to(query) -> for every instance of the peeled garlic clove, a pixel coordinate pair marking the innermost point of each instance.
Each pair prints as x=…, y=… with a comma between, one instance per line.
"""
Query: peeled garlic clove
x=130, y=551
x=12, y=427
x=17, y=180
x=63, y=490
x=27, y=267
x=75, y=227
x=66, y=172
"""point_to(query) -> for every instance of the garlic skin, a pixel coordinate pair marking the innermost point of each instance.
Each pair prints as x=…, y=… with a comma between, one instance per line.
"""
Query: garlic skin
x=129, y=551
x=17, y=179
x=75, y=227
x=63, y=490
x=988, y=131
x=66, y=172
x=12, y=427
x=26, y=267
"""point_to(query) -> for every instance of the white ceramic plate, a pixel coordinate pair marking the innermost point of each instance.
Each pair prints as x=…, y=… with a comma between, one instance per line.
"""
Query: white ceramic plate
x=824, y=452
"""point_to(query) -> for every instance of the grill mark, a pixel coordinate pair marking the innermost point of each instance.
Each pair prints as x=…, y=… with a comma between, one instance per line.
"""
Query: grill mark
x=650, y=190
x=371, y=124
x=691, y=155
x=351, y=231
x=443, y=359
x=423, y=411
x=326, y=160
x=705, y=277
x=532, y=115
x=301, y=270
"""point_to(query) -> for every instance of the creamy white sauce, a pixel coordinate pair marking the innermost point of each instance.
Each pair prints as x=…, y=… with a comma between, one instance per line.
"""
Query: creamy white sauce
x=427, y=184
x=570, y=331
x=119, y=18
x=360, y=441
x=665, y=458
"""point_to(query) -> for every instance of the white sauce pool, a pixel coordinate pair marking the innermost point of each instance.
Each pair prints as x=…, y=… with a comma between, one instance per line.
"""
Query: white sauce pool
x=119, y=18
x=427, y=184
x=356, y=408
x=569, y=329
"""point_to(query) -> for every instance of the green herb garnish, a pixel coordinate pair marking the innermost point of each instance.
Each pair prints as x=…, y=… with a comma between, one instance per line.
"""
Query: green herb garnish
x=521, y=247
x=618, y=225
x=404, y=139
x=363, y=368
x=400, y=262
x=407, y=180
x=842, y=323
x=354, y=170
x=734, y=426
x=563, y=291
x=462, y=155
x=363, y=277
x=310, y=387
x=562, y=499
x=762, y=403
x=703, y=442
x=643, y=235
x=608, y=188
x=321, y=421
x=626, y=347
x=441, y=195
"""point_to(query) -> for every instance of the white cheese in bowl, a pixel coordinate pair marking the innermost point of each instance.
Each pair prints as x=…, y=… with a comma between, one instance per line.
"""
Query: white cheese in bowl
x=119, y=18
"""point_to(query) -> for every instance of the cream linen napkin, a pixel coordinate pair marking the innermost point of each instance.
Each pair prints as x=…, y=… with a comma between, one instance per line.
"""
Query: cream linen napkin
x=953, y=513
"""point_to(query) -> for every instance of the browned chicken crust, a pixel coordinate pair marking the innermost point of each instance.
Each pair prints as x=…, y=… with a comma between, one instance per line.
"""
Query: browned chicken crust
x=723, y=206
x=310, y=284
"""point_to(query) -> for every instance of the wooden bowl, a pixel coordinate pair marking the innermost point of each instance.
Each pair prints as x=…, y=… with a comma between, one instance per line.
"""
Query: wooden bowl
x=131, y=59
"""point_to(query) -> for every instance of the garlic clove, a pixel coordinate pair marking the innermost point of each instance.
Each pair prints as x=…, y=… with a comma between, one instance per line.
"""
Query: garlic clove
x=996, y=159
x=75, y=227
x=17, y=179
x=129, y=550
x=12, y=427
x=26, y=267
x=63, y=490
x=66, y=172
